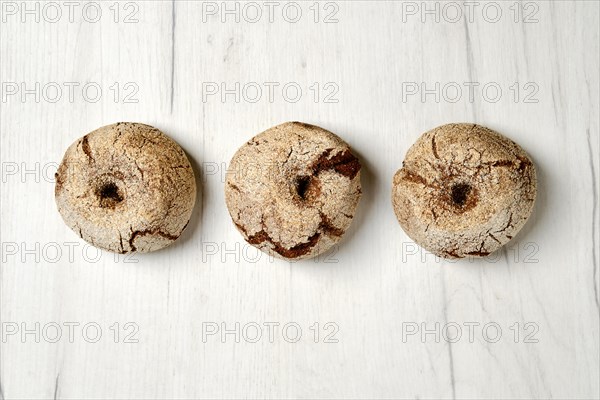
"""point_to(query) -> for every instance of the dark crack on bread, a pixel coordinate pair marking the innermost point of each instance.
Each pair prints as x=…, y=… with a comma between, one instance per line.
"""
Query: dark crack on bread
x=344, y=163
x=293, y=252
x=305, y=199
x=85, y=146
x=301, y=249
x=464, y=190
x=327, y=227
x=152, y=232
x=126, y=187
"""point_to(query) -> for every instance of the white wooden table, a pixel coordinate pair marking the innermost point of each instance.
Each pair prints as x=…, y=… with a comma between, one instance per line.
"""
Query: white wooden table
x=375, y=318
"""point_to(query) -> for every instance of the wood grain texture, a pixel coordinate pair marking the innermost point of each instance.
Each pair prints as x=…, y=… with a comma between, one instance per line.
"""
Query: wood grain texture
x=376, y=285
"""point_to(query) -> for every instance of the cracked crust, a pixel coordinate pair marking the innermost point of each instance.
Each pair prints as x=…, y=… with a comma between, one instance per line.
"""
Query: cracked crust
x=292, y=190
x=126, y=187
x=464, y=190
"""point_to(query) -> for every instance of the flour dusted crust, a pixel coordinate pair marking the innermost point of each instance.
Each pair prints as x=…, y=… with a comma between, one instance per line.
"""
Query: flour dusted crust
x=464, y=190
x=292, y=190
x=126, y=187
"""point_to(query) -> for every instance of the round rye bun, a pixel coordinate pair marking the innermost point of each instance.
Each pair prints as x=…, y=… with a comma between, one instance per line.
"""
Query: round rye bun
x=293, y=189
x=126, y=187
x=464, y=190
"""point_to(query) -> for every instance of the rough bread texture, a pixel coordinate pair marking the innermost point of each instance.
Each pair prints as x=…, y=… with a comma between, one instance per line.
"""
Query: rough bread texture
x=464, y=190
x=292, y=190
x=126, y=187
